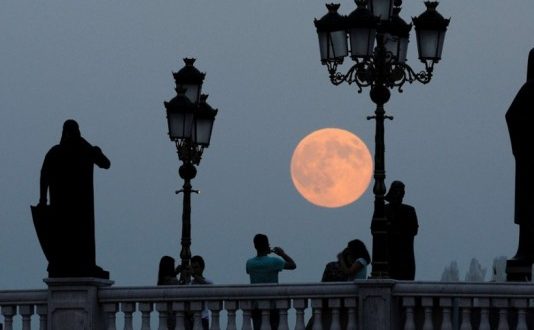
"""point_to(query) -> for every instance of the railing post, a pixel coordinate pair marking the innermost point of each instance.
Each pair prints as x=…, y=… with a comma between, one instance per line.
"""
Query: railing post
x=26, y=311
x=246, y=307
x=215, y=308
x=376, y=299
x=300, y=305
x=73, y=303
x=8, y=312
x=42, y=311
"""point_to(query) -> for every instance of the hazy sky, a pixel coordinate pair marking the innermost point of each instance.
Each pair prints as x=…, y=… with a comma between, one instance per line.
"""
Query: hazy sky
x=108, y=65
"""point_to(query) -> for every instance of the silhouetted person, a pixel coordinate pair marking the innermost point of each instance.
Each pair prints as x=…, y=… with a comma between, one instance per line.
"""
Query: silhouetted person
x=197, y=277
x=351, y=264
x=264, y=269
x=167, y=271
x=67, y=176
x=167, y=276
x=402, y=228
x=519, y=118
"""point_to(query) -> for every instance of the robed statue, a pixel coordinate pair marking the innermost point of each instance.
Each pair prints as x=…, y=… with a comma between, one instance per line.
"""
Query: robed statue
x=519, y=119
x=66, y=227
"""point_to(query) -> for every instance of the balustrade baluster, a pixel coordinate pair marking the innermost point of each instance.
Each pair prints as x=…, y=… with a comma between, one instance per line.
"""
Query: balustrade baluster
x=8, y=312
x=196, y=308
x=484, y=319
x=483, y=304
x=179, y=308
x=351, y=304
x=446, y=304
x=128, y=309
x=231, y=307
x=409, y=303
x=521, y=320
x=163, y=315
x=503, y=319
x=110, y=310
x=215, y=308
x=466, y=306
x=502, y=305
x=26, y=312
x=317, y=305
x=145, y=309
x=246, y=307
x=300, y=305
x=282, y=306
x=427, y=304
x=520, y=305
x=334, y=305
x=265, y=309
x=42, y=311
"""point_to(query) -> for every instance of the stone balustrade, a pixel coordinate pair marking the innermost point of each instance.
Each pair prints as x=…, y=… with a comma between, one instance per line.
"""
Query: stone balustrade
x=365, y=305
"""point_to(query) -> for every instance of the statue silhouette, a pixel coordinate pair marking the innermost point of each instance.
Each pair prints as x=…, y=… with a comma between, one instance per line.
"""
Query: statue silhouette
x=67, y=176
x=519, y=119
x=402, y=228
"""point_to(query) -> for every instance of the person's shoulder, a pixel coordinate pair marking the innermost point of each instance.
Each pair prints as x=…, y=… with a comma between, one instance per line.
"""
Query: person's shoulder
x=362, y=261
x=55, y=149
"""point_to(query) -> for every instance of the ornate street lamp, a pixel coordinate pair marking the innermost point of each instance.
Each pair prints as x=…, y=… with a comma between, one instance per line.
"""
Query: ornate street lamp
x=378, y=46
x=190, y=119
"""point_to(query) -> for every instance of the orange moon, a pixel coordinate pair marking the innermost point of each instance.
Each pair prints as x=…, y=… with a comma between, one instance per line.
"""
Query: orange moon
x=331, y=167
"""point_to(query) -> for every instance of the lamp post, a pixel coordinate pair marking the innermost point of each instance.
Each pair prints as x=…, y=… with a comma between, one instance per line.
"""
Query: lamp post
x=377, y=39
x=190, y=119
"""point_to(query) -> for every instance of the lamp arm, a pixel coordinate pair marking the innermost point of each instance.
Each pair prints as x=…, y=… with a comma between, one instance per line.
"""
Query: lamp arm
x=362, y=74
x=423, y=76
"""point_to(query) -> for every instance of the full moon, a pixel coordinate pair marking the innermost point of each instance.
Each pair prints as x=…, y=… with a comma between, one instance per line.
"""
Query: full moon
x=331, y=167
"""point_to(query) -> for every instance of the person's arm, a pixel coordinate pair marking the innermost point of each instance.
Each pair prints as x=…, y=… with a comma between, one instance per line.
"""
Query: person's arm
x=100, y=159
x=98, y=156
x=289, y=263
x=44, y=182
x=353, y=268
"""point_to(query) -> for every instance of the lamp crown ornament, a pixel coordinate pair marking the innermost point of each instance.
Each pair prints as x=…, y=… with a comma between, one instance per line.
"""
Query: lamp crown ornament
x=332, y=21
x=431, y=19
x=189, y=73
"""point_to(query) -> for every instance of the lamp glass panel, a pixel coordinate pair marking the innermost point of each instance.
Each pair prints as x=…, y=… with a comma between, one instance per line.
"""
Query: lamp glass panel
x=391, y=43
x=192, y=92
x=430, y=44
x=362, y=41
x=180, y=125
x=403, y=49
x=382, y=8
x=202, y=131
x=333, y=45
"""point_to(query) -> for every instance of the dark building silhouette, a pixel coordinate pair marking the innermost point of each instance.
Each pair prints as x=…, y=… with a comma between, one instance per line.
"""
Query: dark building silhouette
x=67, y=176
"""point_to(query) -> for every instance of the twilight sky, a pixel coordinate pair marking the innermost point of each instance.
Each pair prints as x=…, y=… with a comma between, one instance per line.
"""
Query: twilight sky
x=108, y=65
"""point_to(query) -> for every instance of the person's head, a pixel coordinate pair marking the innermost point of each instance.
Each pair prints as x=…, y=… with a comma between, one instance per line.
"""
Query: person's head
x=530, y=68
x=166, y=269
x=197, y=265
x=71, y=131
x=356, y=249
x=261, y=243
x=395, y=193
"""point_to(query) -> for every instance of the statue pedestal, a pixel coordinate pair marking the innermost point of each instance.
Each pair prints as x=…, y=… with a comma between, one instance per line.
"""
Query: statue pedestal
x=518, y=270
x=73, y=303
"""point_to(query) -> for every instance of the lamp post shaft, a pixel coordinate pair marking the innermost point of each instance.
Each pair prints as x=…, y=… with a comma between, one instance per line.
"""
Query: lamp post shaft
x=187, y=172
x=379, y=221
x=379, y=224
x=185, y=253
